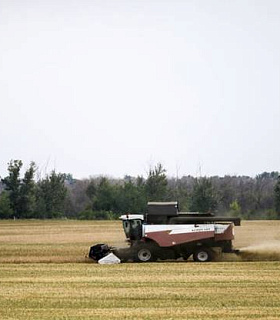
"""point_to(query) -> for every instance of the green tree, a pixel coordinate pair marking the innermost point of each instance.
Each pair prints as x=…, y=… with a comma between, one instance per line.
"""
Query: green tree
x=6, y=211
x=104, y=196
x=277, y=197
x=131, y=197
x=178, y=191
x=12, y=184
x=51, y=195
x=156, y=184
x=235, y=209
x=27, y=192
x=203, y=197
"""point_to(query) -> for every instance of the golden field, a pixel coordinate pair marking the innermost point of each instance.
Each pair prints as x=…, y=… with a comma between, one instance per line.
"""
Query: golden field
x=45, y=274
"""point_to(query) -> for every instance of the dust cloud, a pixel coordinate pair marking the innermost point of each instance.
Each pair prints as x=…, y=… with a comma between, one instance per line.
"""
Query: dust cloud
x=263, y=251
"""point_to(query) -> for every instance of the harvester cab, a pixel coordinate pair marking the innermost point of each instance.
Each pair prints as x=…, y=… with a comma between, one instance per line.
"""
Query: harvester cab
x=133, y=226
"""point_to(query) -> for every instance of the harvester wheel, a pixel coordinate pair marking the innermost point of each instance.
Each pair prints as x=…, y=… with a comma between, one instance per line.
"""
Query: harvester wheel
x=202, y=255
x=144, y=254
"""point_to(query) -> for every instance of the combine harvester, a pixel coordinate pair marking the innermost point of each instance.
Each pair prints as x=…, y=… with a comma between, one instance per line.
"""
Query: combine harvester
x=165, y=233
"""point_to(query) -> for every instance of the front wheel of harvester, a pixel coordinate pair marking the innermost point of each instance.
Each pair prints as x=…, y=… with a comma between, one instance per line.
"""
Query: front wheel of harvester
x=202, y=255
x=144, y=254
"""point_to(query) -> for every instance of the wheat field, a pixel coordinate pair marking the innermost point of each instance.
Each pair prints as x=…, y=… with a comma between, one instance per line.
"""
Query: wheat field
x=45, y=274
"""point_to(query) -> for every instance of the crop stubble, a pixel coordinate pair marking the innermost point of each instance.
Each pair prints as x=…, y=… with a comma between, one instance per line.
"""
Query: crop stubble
x=64, y=289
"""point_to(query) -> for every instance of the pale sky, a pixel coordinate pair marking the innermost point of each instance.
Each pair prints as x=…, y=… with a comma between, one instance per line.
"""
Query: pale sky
x=93, y=87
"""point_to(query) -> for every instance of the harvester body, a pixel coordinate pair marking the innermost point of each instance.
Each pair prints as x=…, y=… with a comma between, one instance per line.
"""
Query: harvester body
x=165, y=233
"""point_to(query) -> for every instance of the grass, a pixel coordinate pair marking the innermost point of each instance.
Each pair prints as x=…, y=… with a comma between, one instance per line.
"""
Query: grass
x=30, y=288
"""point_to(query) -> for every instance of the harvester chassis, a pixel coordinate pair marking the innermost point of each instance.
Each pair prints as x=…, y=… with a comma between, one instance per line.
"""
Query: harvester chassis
x=165, y=234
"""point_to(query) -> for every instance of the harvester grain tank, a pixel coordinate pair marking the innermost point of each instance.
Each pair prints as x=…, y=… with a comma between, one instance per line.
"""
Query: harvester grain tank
x=166, y=233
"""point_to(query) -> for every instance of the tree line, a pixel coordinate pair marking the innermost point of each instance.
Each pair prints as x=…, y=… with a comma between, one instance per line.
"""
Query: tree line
x=57, y=195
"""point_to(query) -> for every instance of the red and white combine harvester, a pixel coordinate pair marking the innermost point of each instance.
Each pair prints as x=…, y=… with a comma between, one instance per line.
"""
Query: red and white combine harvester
x=165, y=233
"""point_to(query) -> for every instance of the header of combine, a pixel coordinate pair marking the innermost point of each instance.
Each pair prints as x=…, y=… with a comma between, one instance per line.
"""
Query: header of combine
x=166, y=233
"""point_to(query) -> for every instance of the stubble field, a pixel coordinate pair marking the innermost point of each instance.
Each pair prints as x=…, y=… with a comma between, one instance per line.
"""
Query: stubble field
x=45, y=274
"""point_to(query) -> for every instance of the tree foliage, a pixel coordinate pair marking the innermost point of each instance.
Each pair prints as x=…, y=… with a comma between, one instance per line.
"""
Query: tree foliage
x=203, y=198
x=156, y=184
x=235, y=209
x=27, y=192
x=24, y=198
x=13, y=185
x=60, y=195
x=277, y=197
x=131, y=197
x=51, y=195
x=6, y=211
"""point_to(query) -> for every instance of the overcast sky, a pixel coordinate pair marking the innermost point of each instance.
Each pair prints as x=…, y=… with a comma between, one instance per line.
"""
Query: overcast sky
x=111, y=87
